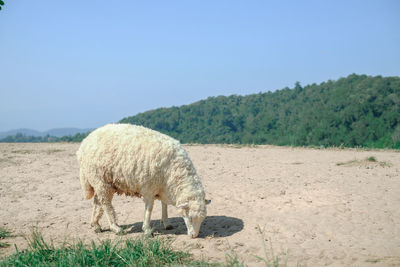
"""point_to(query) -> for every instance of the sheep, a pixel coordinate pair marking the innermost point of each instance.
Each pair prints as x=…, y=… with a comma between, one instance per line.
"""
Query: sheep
x=137, y=161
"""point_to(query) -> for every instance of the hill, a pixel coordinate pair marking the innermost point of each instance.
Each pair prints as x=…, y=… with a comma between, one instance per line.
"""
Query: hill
x=358, y=110
x=28, y=132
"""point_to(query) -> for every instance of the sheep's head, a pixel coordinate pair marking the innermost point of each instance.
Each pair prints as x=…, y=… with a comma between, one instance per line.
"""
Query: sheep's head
x=193, y=213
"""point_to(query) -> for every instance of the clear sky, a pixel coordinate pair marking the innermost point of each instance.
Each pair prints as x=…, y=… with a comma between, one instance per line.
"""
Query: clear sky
x=87, y=63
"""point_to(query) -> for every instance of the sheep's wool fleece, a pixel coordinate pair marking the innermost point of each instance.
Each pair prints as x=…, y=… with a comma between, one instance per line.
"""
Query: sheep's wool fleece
x=135, y=160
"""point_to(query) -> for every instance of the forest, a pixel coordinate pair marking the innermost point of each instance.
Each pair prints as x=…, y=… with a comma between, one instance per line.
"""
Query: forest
x=355, y=111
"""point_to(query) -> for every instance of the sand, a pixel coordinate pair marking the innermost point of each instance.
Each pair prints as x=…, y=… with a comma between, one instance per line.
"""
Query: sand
x=310, y=207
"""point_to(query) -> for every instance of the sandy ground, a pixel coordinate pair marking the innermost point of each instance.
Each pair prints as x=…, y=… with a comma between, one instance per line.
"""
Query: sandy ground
x=308, y=206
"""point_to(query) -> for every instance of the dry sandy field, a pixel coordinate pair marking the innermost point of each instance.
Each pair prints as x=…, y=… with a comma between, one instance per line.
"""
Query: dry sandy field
x=309, y=207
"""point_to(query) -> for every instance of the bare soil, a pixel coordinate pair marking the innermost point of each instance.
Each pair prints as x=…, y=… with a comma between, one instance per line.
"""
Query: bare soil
x=309, y=207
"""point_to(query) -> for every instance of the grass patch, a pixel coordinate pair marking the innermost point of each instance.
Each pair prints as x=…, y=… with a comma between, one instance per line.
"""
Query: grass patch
x=347, y=163
x=22, y=151
x=270, y=259
x=138, y=252
x=238, y=146
x=7, y=161
x=367, y=161
x=4, y=233
x=297, y=163
x=52, y=151
x=373, y=260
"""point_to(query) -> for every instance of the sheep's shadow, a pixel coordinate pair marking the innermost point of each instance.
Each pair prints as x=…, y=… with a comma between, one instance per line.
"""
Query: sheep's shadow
x=216, y=226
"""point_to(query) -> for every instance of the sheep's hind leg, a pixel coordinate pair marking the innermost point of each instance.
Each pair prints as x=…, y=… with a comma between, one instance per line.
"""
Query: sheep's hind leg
x=147, y=216
x=164, y=216
x=96, y=214
x=110, y=212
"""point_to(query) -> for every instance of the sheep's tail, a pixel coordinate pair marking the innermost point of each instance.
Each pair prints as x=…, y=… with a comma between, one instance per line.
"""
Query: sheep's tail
x=87, y=189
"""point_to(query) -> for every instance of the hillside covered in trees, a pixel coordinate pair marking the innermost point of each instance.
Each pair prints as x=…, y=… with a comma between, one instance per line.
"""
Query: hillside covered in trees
x=358, y=110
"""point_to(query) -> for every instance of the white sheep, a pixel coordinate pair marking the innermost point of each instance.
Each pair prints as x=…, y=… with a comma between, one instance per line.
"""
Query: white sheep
x=137, y=161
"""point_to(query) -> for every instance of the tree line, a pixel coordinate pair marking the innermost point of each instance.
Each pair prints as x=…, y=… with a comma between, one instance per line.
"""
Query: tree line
x=21, y=138
x=355, y=111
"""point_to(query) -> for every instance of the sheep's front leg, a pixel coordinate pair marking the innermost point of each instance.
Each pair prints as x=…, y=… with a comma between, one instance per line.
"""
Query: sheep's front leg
x=147, y=216
x=164, y=217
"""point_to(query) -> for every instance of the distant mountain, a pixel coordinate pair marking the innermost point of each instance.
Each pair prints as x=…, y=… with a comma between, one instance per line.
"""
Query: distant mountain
x=60, y=132
x=356, y=111
x=57, y=132
x=24, y=131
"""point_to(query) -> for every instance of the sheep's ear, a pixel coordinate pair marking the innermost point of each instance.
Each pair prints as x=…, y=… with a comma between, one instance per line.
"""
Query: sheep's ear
x=183, y=206
x=207, y=201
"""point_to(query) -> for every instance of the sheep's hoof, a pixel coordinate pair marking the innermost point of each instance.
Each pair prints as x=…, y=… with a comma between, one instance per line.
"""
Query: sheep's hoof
x=169, y=227
x=116, y=229
x=97, y=228
x=148, y=232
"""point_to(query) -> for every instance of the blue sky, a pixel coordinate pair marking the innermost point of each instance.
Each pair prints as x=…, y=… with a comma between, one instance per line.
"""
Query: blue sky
x=87, y=63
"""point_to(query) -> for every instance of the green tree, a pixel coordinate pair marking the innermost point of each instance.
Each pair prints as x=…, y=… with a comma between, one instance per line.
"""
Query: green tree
x=358, y=110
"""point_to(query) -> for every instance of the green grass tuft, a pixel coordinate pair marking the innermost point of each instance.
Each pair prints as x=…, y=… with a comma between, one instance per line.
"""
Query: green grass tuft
x=373, y=260
x=52, y=151
x=22, y=151
x=139, y=252
x=270, y=259
x=369, y=161
x=4, y=233
x=350, y=162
